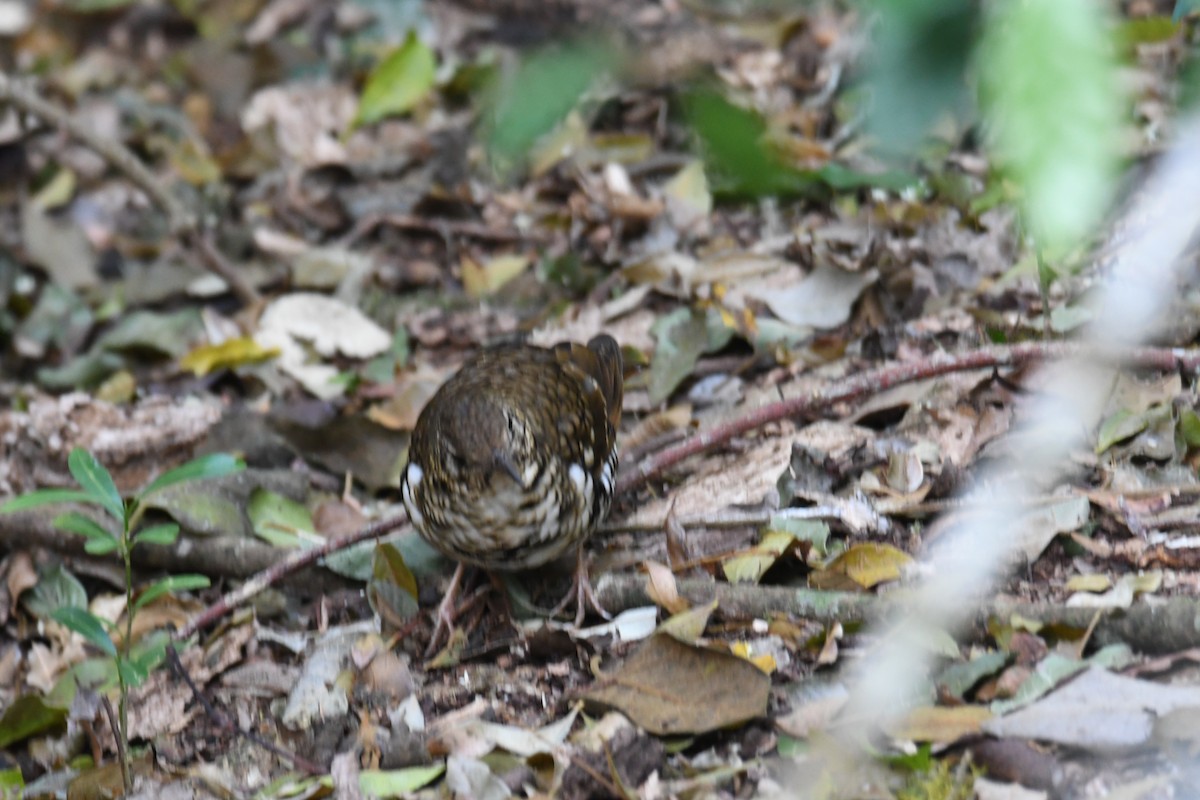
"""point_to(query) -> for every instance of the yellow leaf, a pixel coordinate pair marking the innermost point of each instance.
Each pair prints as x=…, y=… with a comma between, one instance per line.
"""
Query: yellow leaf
x=57, y=192
x=941, y=724
x=481, y=280
x=230, y=353
x=749, y=568
x=764, y=661
x=688, y=626
x=870, y=563
x=1089, y=583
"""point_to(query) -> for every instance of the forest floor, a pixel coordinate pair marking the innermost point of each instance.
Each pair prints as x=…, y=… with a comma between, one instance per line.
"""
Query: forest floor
x=234, y=227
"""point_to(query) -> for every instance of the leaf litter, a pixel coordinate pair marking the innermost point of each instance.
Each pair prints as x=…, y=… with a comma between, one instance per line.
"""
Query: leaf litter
x=349, y=177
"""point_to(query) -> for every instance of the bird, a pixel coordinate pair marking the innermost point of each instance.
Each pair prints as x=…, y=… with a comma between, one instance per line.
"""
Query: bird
x=513, y=460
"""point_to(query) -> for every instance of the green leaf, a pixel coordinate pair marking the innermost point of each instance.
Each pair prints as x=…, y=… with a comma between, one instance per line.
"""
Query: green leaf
x=210, y=466
x=735, y=151
x=279, y=520
x=134, y=673
x=12, y=782
x=171, y=584
x=535, y=97
x=396, y=782
x=1189, y=427
x=56, y=588
x=28, y=715
x=150, y=651
x=96, y=481
x=918, y=55
x=45, y=497
x=683, y=336
x=166, y=533
x=100, y=547
x=398, y=82
x=1122, y=424
x=99, y=539
x=752, y=565
x=1054, y=107
x=86, y=625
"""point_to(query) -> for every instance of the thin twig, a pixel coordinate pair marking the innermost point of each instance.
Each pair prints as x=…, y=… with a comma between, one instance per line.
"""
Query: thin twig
x=441, y=227
x=119, y=738
x=214, y=260
x=180, y=220
x=296, y=561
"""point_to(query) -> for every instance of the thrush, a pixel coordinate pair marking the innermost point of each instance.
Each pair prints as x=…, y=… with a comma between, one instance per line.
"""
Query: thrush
x=512, y=461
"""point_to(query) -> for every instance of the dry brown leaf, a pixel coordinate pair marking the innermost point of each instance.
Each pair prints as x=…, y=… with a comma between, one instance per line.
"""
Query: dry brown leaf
x=941, y=724
x=670, y=688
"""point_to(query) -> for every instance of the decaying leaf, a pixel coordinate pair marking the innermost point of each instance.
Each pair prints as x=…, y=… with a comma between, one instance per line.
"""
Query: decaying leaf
x=824, y=299
x=941, y=724
x=683, y=336
x=296, y=322
x=671, y=688
x=481, y=280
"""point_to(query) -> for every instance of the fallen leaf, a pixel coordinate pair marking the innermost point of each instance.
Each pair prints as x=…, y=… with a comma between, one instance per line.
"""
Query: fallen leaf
x=683, y=336
x=671, y=688
x=1097, y=710
x=815, y=703
x=481, y=280
x=941, y=724
x=824, y=299
x=279, y=520
x=689, y=202
x=295, y=322
x=871, y=563
x=688, y=626
x=398, y=82
x=228, y=354
x=750, y=567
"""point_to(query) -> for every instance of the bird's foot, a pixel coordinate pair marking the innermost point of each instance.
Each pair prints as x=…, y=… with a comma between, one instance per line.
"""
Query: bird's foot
x=447, y=613
x=582, y=592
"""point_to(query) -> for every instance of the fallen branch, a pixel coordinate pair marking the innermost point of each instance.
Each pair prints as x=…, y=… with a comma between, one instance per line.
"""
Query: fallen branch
x=874, y=381
x=180, y=220
x=1150, y=625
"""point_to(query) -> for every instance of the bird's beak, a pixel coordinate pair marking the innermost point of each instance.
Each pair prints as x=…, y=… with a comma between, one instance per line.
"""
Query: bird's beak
x=505, y=462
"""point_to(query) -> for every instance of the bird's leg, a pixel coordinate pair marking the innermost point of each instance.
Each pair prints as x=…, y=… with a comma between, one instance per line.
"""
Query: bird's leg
x=501, y=589
x=581, y=591
x=446, y=612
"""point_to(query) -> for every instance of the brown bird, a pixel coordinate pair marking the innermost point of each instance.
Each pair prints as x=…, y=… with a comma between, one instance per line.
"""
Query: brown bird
x=512, y=462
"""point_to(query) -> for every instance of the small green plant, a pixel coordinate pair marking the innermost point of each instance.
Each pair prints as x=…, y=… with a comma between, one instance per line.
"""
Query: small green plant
x=96, y=488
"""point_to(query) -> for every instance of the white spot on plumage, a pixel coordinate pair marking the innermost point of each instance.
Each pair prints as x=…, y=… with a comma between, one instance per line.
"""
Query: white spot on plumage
x=529, y=474
x=415, y=473
x=412, y=479
x=579, y=478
